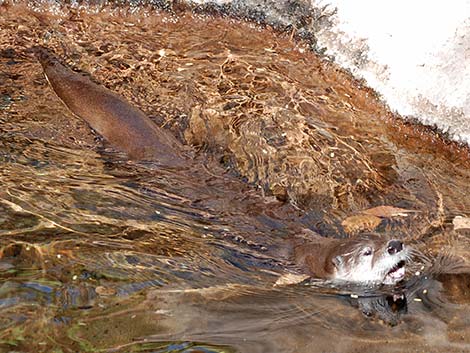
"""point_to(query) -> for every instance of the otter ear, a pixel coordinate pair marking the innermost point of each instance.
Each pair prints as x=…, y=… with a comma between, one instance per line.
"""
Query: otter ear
x=338, y=261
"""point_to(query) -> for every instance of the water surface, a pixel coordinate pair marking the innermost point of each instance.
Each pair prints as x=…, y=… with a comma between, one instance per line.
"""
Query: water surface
x=99, y=253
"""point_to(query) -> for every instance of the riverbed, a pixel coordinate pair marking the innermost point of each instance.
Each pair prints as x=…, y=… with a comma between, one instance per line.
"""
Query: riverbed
x=100, y=253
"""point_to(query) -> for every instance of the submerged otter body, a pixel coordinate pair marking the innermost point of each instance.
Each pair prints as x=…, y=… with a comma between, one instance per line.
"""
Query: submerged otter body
x=127, y=128
x=367, y=259
x=121, y=124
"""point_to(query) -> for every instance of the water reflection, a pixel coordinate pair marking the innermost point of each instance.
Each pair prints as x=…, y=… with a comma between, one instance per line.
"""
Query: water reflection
x=99, y=253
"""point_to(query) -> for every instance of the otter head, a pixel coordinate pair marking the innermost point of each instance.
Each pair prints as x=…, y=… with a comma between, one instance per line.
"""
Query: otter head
x=370, y=260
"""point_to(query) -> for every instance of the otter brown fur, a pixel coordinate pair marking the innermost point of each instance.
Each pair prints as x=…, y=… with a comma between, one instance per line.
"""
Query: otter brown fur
x=121, y=124
x=364, y=259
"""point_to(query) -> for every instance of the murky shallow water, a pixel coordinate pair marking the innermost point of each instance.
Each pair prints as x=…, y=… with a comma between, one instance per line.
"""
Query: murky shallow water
x=103, y=254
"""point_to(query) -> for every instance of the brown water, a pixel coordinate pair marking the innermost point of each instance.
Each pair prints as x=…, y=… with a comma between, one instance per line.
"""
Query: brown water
x=99, y=253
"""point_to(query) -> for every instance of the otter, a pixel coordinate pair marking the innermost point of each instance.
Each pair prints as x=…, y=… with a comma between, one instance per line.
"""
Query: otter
x=124, y=126
x=131, y=131
x=365, y=259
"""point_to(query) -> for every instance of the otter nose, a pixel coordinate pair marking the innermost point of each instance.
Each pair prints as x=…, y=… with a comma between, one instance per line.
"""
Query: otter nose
x=394, y=246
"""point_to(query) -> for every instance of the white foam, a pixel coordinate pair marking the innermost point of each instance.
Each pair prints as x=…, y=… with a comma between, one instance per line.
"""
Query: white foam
x=416, y=54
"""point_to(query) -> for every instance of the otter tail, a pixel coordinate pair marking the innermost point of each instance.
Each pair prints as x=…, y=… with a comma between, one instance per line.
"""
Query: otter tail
x=126, y=127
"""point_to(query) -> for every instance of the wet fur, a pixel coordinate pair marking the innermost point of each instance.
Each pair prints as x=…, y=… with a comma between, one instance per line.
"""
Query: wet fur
x=339, y=259
x=121, y=124
x=128, y=129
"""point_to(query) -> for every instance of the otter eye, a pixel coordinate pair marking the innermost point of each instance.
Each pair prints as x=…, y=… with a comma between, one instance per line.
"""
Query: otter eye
x=367, y=252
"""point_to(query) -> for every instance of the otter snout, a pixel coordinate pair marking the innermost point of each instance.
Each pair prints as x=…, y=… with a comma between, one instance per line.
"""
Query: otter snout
x=394, y=246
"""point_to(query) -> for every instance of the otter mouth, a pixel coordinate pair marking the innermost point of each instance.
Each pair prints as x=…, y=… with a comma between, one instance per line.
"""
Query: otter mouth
x=396, y=273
